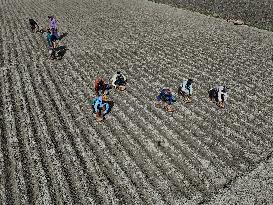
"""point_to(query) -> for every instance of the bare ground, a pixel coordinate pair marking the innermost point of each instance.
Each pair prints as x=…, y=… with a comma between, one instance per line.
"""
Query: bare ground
x=52, y=150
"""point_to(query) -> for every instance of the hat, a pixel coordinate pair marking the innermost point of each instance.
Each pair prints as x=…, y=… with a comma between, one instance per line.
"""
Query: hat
x=105, y=98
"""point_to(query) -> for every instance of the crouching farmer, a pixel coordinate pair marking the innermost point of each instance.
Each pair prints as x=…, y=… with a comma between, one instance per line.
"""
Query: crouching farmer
x=118, y=81
x=100, y=107
x=185, y=89
x=166, y=99
x=219, y=94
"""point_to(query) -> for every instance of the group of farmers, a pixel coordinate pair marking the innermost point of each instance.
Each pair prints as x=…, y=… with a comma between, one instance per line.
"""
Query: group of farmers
x=101, y=104
x=52, y=36
x=166, y=99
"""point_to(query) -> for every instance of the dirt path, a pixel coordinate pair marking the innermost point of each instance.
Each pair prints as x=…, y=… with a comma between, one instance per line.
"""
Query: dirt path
x=52, y=150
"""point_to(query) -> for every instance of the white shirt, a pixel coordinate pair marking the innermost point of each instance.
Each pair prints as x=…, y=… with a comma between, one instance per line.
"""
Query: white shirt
x=219, y=93
x=114, y=78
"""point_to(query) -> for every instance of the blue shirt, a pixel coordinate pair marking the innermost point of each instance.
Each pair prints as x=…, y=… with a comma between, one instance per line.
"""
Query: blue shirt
x=99, y=104
x=165, y=95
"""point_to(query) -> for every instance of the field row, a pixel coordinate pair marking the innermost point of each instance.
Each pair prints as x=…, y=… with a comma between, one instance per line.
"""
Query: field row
x=54, y=152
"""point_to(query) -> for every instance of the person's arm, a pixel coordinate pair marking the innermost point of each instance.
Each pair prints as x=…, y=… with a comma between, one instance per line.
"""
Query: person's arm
x=190, y=91
x=225, y=97
x=96, y=106
x=125, y=79
x=96, y=88
x=113, y=79
x=183, y=86
x=219, y=96
x=159, y=96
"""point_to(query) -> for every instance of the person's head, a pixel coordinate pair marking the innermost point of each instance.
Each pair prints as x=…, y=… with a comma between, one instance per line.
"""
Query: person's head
x=224, y=89
x=100, y=81
x=190, y=81
x=105, y=98
x=50, y=17
x=118, y=72
x=48, y=30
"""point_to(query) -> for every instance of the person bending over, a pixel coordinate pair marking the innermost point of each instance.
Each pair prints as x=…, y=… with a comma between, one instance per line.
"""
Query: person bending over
x=118, y=81
x=219, y=94
x=101, y=87
x=166, y=98
x=101, y=107
x=185, y=89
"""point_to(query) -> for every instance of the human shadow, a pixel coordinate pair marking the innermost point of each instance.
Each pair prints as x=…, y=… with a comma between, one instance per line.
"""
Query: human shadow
x=60, y=51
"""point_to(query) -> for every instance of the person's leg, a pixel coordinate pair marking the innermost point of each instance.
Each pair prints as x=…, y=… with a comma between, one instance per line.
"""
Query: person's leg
x=32, y=28
x=211, y=94
x=99, y=115
x=222, y=103
x=158, y=101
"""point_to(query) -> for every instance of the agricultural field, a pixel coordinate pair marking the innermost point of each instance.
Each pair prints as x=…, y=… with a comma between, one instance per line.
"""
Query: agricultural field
x=251, y=12
x=54, y=152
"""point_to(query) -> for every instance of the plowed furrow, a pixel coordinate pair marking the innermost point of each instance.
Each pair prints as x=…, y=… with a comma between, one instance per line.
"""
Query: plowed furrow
x=4, y=158
x=176, y=121
x=135, y=92
x=241, y=143
x=63, y=108
x=120, y=127
x=125, y=178
x=57, y=137
x=33, y=174
x=141, y=88
x=132, y=114
x=48, y=151
x=14, y=182
x=117, y=152
x=39, y=136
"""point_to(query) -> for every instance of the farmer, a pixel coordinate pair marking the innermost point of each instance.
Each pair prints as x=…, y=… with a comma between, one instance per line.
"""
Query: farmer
x=33, y=25
x=50, y=38
x=166, y=98
x=100, y=107
x=219, y=94
x=101, y=87
x=185, y=89
x=53, y=24
x=118, y=81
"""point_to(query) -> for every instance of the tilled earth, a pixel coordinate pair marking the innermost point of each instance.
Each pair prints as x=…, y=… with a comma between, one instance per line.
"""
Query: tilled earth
x=54, y=152
x=256, y=13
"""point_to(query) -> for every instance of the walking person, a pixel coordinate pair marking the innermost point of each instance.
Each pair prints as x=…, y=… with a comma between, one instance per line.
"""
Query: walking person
x=53, y=25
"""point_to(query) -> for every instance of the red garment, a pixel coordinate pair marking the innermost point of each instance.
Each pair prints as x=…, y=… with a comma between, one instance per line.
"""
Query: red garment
x=100, y=85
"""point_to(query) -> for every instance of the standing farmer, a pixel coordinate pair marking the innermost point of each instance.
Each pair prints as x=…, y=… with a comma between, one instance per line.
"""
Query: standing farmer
x=53, y=24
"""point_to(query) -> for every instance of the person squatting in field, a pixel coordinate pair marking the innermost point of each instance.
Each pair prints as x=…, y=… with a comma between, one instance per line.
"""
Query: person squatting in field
x=100, y=107
x=167, y=98
x=219, y=94
x=118, y=81
x=185, y=89
x=33, y=25
x=101, y=87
